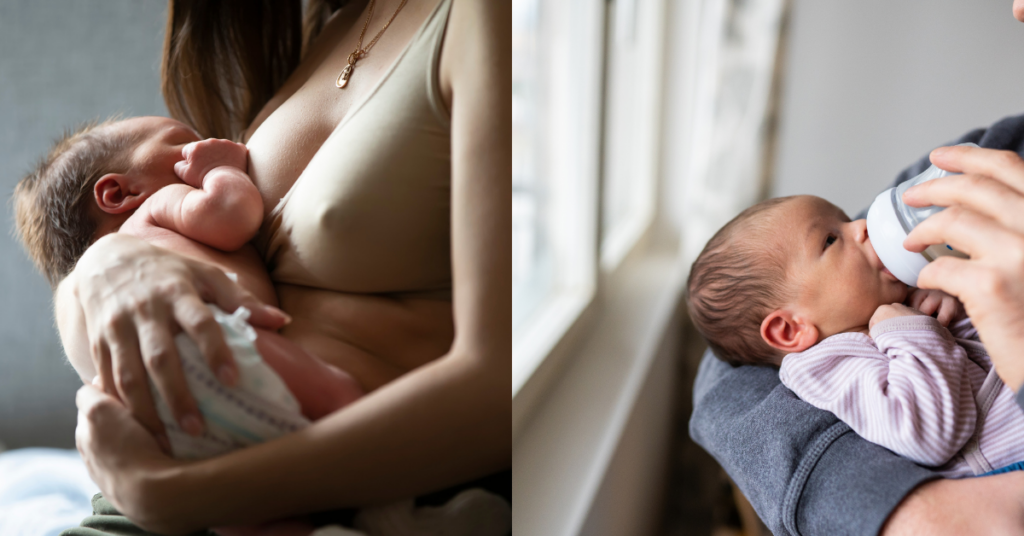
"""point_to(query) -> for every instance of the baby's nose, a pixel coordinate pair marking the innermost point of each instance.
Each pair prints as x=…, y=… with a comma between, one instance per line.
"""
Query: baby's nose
x=860, y=230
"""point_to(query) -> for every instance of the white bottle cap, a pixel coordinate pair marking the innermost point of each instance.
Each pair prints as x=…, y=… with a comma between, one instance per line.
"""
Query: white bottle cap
x=887, y=236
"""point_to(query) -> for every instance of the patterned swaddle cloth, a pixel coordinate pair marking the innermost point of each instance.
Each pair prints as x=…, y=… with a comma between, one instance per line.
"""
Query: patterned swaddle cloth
x=258, y=408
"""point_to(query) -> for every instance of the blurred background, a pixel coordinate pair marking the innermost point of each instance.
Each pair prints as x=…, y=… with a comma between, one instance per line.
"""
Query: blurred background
x=640, y=127
x=61, y=64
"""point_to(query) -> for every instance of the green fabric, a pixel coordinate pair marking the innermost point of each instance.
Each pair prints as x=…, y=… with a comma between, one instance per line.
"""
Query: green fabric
x=107, y=521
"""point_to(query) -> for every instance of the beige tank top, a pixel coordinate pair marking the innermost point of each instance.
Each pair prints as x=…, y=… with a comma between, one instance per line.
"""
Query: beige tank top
x=371, y=212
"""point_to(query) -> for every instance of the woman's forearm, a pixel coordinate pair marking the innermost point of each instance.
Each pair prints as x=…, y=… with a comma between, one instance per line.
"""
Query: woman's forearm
x=444, y=423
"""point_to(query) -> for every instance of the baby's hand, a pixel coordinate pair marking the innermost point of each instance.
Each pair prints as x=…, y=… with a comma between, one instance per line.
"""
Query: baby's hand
x=942, y=306
x=203, y=156
x=885, y=312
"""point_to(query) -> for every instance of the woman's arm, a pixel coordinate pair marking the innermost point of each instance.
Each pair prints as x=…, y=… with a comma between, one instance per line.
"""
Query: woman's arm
x=443, y=423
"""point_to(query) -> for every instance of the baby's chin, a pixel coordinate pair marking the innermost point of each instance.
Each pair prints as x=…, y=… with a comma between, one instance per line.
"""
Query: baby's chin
x=902, y=293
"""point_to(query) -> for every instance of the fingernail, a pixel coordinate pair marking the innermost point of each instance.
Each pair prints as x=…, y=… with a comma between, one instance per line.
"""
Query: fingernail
x=940, y=151
x=227, y=375
x=191, y=425
x=287, y=317
x=96, y=380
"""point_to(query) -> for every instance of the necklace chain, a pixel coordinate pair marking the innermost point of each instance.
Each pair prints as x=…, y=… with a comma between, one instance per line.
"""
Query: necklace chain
x=360, y=52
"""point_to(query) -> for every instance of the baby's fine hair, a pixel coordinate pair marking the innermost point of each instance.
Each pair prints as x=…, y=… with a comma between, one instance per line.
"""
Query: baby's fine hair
x=735, y=283
x=52, y=203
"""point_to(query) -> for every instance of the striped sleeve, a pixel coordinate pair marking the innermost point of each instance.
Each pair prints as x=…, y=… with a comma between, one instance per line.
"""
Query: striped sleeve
x=906, y=390
x=964, y=329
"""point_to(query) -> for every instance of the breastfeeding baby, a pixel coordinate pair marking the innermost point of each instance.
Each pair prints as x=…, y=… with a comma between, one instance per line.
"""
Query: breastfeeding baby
x=793, y=283
x=152, y=177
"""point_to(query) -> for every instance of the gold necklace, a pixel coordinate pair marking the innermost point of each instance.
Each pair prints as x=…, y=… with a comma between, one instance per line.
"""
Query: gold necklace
x=360, y=52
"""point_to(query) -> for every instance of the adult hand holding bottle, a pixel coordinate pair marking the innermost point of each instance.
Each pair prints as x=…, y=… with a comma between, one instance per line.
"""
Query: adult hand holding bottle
x=985, y=219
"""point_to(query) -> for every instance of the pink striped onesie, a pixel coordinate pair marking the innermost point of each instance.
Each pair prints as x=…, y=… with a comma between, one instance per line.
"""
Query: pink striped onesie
x=918, y=389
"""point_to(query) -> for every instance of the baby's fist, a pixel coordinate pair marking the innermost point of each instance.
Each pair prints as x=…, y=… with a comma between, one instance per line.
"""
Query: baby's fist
x=885, y=312
x=200, y=157
x=942, y=306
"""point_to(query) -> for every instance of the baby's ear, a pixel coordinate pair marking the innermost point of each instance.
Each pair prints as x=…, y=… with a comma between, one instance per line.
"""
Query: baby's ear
x=788, y=332
x=114, y=194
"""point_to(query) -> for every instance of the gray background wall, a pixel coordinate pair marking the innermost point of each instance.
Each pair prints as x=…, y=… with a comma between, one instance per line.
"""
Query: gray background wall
x=872, y=85
x=61, y=63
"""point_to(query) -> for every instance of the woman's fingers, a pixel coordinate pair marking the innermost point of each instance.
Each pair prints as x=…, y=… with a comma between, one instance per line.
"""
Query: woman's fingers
x=984, y=195
x=160, y=356
x=1005, y=166
x=197, y=320
x=964, y=230
x=130, y=375
x=100, y=352
x=216, y=288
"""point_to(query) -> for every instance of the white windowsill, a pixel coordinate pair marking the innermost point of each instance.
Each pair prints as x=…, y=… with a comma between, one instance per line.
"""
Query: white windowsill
x=566, y=436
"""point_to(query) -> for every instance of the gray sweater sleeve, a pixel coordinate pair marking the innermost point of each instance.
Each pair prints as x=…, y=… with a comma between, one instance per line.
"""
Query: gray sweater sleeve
x=804, y=471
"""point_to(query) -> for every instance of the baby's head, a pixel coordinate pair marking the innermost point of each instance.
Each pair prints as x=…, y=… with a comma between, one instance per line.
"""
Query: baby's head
x=90, y=182
x=783, y=275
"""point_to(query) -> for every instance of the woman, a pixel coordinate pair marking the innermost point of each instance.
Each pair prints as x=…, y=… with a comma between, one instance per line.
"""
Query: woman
x=383, y=163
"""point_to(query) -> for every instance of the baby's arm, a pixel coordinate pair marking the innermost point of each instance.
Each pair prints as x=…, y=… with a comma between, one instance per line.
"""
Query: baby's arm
x=909, y=394
x=218, y=205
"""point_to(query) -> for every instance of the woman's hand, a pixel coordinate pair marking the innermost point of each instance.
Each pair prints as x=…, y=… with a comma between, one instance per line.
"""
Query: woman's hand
x=985, y=219
x=121, y=456
x=931, y=302
x=135, y=298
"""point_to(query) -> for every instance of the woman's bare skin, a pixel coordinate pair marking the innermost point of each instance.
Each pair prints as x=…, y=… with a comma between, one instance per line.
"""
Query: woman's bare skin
x=443, y=423
x=377, y=338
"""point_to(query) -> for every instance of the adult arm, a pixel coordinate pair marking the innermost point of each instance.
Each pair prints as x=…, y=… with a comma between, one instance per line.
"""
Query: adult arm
x=443, y=423
x=803, y=470
x=774, y=445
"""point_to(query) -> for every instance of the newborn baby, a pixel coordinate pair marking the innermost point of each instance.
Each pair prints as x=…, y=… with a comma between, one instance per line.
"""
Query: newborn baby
x=152, y=177
x=793, y=283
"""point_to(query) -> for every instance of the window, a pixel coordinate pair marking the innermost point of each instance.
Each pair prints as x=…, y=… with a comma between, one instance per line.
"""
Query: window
x=633, y=83
x=556, y=60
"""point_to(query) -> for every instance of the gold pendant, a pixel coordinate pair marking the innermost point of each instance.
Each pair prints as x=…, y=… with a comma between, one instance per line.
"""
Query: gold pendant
x=342, y=80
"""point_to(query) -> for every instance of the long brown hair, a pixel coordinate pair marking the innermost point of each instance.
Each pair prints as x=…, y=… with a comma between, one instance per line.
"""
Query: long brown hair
x=224, y=59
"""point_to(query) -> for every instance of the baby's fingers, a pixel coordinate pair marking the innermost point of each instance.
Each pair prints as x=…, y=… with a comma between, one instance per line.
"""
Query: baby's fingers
x=947, y=310
x=931, y=303
x=916, y=297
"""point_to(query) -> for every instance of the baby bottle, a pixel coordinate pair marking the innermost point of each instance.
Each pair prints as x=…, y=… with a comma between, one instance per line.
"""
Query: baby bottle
x=890, y=220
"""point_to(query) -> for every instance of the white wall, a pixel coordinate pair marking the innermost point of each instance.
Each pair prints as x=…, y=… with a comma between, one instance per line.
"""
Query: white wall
x=872, y=85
